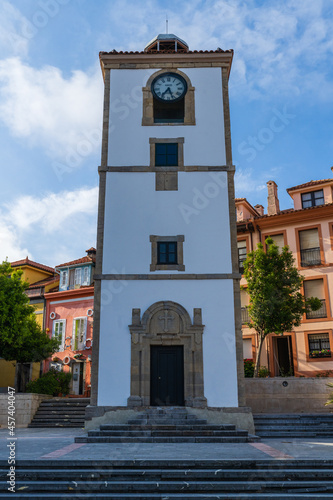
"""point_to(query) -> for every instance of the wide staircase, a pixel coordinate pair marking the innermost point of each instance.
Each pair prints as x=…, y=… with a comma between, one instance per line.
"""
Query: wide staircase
x=167, y=425
x=171, y=479
x=294, y=425
x=60, y=412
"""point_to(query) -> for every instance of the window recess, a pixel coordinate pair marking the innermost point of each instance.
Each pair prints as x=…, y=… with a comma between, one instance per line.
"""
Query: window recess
x=242, y=251
x=313, y=199
x=319, y=345
x=315, y=288
x=167, y=253
x=309, y=247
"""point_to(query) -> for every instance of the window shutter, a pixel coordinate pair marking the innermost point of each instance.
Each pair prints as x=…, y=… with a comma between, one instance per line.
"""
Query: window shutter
x=309, y=239
x=314, y=288
x=86, y=276
x=245, y=299
x=59, y=328
x=82, y=334
x=278, y=240
x=55, y=329
x=63, y=279
x=75, y=335
x=77, y=278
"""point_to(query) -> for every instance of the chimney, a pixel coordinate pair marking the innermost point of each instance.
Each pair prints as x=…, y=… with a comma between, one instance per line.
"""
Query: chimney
x=91, y=252
x=273, y=206
x=259, y=209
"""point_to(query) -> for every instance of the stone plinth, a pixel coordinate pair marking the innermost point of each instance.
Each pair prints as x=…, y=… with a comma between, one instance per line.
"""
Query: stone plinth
x=26, y=406
x=288, y=395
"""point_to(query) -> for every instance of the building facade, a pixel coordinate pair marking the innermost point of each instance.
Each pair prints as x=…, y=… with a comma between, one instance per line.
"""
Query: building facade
x=41, y=279
x=166, y=324
x=69, y=317
x=307, y=229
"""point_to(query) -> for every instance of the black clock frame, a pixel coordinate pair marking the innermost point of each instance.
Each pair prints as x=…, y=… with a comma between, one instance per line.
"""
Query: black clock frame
x=164, y=75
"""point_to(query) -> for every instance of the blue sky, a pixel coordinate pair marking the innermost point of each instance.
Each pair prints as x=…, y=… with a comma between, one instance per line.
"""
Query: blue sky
x=51, y=91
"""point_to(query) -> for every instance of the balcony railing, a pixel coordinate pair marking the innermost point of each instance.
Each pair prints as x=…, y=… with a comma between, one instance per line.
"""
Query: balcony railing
x=320, y=313
x=310, y=257
x=245, y=315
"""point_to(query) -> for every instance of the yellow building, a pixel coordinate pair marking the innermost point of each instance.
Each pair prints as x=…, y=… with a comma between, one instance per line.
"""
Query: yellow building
x=41, y=279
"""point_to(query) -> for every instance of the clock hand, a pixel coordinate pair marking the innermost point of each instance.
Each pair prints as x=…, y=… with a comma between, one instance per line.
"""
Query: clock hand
x=167, y=90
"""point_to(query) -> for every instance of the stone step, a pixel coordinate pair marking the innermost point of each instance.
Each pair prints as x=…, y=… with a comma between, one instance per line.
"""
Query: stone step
x=60, y=412
x=305, y=430
x=125, y=427
x=288, y=425
x=175, y=496
x=174, y=486
x=169, y=421
x=43, y=414
x=57, y=424
x=167, y=433
x=170, y=439
x=55, y=418
x=305, y=423
x=65, y=404
x=61, y=415
x=105, y=474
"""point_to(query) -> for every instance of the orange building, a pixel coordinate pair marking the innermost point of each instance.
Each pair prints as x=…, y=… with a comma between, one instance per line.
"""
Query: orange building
x=69, y=317
x=307, y=229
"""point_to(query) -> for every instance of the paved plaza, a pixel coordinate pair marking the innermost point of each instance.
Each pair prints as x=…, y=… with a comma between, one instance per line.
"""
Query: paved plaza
x=58, y=444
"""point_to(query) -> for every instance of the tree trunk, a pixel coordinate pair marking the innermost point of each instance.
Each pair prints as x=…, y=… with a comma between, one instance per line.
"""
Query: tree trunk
x=257, y=365
x=22, y=376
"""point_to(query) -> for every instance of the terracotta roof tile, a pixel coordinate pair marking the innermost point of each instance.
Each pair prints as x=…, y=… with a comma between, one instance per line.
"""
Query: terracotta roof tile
x=114, y=52
x=31, y=263
x=45, y=282
x=83, y=260
x=308, y=184
x=291, y=210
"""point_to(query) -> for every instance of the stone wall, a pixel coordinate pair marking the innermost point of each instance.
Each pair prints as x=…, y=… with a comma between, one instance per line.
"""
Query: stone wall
x=288, y=395
x=26, y=406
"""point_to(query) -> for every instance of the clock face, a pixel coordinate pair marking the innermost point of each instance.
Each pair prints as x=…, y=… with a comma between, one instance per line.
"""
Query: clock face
x=169, y=87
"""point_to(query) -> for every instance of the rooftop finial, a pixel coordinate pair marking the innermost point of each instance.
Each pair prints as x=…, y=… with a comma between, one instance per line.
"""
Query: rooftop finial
x=166, y=24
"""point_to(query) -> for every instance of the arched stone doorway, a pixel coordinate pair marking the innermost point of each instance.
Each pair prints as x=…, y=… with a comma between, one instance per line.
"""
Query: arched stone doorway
x=166, y=324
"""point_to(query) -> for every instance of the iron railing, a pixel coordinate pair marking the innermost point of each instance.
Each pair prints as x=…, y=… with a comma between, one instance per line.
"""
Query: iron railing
x=310, y=257
x=320, y=313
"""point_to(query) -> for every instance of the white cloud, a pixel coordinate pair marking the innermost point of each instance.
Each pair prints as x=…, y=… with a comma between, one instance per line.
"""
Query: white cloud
x=278, y=45
x=10, y=246
x=13, y=26
x=60, y=226
x=51, y=111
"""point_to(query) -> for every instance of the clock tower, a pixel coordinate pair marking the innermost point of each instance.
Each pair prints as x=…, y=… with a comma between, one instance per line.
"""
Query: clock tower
x=167, y=326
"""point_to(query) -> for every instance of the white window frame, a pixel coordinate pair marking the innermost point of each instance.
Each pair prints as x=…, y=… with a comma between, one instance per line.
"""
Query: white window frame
x=63, y=323
x=80, y=343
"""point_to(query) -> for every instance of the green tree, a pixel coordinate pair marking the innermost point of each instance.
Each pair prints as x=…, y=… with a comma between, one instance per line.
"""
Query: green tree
x=273, y=284
x=21, y=338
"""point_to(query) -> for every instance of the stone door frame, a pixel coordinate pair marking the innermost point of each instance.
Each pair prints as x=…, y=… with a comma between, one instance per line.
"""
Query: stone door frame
x=144, y=334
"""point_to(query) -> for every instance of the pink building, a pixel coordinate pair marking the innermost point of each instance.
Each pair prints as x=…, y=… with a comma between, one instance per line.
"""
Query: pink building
x=69, y=317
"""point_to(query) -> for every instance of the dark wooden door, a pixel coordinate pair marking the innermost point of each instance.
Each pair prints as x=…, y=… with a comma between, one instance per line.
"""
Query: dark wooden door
x=167, y=376
x=285, y=360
